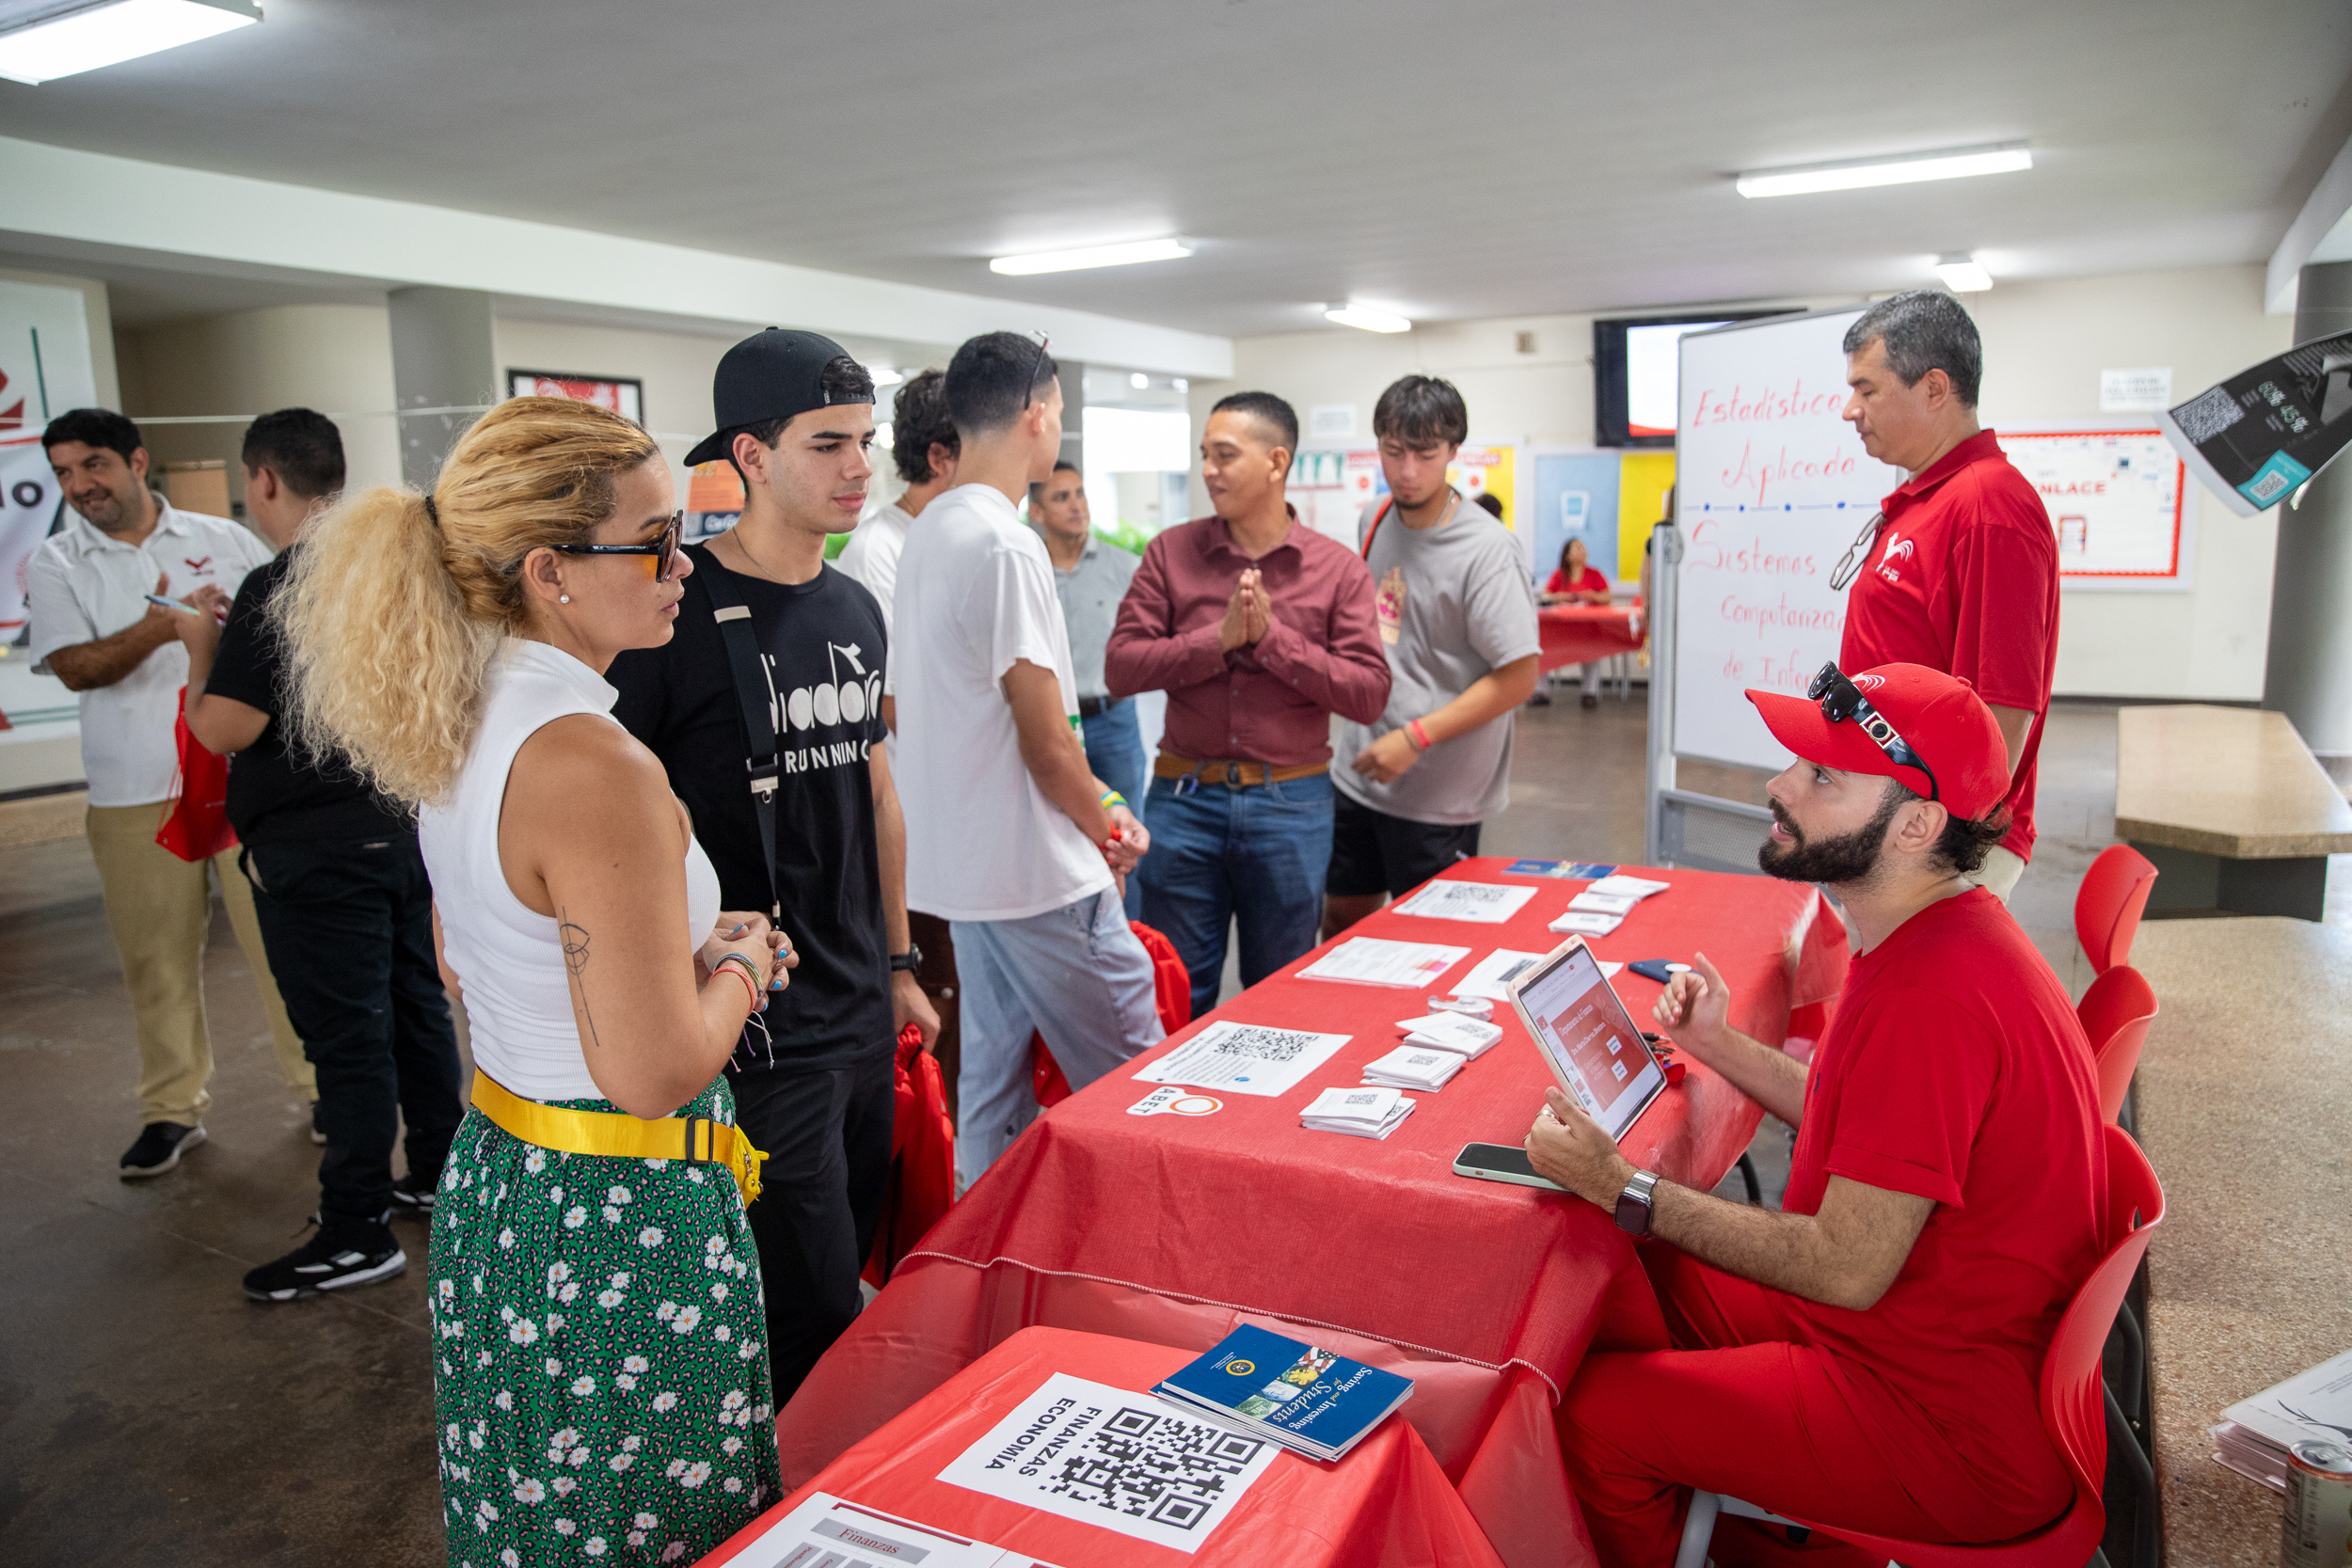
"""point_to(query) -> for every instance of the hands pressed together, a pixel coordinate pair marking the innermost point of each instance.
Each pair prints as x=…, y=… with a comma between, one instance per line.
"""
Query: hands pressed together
x=749, y=936
x=1248, y=614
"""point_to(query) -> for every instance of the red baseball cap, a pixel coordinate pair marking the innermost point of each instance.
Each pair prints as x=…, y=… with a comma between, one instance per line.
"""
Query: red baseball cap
x=1939, y=716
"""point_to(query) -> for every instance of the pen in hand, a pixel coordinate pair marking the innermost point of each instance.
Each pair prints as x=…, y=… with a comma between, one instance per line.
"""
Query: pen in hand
x=171, y=603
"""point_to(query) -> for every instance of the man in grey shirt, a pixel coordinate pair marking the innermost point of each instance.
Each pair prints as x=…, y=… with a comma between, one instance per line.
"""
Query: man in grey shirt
x=1092, y=577
x=1456, y=612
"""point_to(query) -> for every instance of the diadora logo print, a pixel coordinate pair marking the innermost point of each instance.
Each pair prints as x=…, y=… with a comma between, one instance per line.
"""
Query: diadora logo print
x=847, y=696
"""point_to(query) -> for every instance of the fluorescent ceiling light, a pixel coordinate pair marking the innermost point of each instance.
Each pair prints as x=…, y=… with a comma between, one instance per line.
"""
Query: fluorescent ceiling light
x=1090, y=256
x=1956, y=164
x=68, y=40
x=1369, y=320
x=884, y=376
x=1963, y=274
x=1139, y=381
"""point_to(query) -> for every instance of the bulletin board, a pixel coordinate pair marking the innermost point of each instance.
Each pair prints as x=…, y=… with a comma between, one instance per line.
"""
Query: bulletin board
x=1486, y=471
x=2117, y=498
x=1645, y=481
x=1571, y=493
x=1331, y=485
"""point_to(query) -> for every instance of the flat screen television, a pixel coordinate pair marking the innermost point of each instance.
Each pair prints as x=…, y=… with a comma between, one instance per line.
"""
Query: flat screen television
x=1636, y=360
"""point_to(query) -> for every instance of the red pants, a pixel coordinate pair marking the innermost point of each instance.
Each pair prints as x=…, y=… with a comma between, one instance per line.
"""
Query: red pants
x=1742, y=1406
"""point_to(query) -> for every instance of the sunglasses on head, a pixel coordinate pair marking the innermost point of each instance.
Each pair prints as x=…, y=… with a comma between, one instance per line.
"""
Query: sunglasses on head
x=663, y=550
x=1037, y=369
x=1841, y=699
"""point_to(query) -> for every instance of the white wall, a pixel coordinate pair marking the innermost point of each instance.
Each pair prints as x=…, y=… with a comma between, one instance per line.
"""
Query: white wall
x=2044, y=345
x=336, y=358
x=100, y=318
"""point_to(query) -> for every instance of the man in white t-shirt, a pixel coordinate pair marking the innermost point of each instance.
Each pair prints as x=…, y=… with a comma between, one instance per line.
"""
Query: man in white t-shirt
x=87, y=589
x=922, y=448
x=1009, y=835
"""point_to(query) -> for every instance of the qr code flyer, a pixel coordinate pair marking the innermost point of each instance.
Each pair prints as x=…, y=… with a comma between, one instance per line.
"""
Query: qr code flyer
x=1105, y=1456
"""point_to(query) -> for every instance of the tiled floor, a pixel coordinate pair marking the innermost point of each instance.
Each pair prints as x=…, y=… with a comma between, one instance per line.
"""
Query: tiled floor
x=149, y=1413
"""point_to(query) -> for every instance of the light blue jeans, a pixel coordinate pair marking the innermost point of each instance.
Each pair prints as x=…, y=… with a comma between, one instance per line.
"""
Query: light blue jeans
x=1114, y=742
x=1076, y=975
x=1255, y=856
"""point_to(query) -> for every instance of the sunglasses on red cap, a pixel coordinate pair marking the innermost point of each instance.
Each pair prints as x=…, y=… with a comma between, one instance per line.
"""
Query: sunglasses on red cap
x=1841, y=699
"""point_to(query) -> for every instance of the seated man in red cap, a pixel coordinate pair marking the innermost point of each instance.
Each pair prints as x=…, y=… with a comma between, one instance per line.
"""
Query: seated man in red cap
x=1871, y=1355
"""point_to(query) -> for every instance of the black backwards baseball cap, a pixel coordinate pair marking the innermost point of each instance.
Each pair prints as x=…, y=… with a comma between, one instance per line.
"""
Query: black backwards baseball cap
x=768, y=375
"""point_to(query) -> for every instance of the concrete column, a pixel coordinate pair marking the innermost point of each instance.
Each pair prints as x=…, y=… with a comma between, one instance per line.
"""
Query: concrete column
x=1073, y=412
x=444, y=355
x=2309, y=678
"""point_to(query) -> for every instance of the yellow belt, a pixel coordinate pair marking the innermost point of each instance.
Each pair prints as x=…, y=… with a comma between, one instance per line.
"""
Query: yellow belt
x=696, y=1140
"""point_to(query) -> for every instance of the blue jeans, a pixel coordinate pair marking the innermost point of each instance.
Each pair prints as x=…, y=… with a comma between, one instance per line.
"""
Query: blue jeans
x=1114, y=743
x=1076, y=975
x=1256, y=853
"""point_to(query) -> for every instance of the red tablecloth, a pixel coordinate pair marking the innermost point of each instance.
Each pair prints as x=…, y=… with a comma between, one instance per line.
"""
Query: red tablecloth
x=1385, y=1504
x=1170, y=1229
x=1580, y=633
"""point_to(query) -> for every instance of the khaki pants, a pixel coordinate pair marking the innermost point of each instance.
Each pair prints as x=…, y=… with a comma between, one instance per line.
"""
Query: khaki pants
x=2000, y=873
x=160, y=911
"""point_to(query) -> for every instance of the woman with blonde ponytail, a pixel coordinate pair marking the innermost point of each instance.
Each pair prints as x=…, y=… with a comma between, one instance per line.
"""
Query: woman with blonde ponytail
x=600, y=1377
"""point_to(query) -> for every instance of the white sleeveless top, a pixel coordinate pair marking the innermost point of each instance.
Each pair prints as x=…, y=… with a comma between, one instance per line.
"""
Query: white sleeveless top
x=518, y=1006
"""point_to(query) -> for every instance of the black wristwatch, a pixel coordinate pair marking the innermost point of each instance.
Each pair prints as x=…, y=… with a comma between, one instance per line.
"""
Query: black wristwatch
x=1633, y=1204
x=910, y=961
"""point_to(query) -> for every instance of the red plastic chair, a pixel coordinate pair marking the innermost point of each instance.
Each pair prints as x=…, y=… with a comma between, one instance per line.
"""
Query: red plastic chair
x=2079, y=1413
x=2115, y=1012
x=2108, y=905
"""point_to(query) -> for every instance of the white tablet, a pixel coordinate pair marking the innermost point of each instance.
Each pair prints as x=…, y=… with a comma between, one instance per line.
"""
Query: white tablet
x=1588, y=1039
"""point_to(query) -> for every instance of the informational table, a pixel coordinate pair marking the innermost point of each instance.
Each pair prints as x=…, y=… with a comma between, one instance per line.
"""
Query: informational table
x=1580, y=633
x=1173, y=1228
x=1385, y=1504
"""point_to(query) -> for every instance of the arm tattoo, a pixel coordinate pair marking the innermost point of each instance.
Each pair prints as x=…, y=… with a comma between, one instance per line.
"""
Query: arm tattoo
x=576, y=965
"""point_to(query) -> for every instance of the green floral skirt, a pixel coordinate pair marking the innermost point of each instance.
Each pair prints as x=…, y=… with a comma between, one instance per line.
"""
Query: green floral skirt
x=599, y=1354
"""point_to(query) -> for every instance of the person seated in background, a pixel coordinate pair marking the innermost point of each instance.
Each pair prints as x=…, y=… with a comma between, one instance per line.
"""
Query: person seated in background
x=1090, y=578
x=1577, y=583
x=340, y=887
x=1259, y=629
x=1009, y=835
x=1869, y=1356
x=1459, y=626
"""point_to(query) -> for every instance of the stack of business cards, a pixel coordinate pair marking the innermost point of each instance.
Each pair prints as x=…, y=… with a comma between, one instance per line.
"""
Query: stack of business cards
x=1467, y=1037
x=1587, y=923
x=1366, y=1112
x=1636, y=888
x=1475, y=1006
x=1415, y=1067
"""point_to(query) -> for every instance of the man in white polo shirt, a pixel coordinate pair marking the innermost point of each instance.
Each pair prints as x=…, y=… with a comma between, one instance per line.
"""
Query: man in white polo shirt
x=91, y=621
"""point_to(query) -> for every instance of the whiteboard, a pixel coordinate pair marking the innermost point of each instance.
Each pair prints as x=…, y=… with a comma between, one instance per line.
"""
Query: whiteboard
x=1773, y=486
x=2114, y=497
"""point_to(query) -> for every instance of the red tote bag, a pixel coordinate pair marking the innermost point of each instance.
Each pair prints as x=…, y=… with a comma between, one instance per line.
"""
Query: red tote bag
x=195, y=819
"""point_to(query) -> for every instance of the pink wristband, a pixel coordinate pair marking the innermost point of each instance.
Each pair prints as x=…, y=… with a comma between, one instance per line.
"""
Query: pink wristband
x=1420, y=737
x=749, y=989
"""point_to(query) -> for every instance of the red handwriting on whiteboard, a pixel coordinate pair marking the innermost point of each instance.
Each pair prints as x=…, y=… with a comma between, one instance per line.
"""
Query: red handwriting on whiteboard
x=1769, y=620
x=1724, y=549
x=2073, y=487
x=1717, y=408
x=1758, y=473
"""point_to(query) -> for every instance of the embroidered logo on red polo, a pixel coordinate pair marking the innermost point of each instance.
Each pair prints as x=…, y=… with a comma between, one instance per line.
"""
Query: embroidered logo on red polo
x=1898, y=548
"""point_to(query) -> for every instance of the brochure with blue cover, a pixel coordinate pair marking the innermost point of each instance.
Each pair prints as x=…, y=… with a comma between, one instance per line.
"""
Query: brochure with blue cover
x=1302, y=1397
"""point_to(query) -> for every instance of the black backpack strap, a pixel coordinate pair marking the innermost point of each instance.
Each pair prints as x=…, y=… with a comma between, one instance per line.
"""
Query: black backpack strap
x=753, y=698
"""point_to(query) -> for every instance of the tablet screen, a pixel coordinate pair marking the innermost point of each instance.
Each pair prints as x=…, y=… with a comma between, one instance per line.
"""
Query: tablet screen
x=1594, y=1047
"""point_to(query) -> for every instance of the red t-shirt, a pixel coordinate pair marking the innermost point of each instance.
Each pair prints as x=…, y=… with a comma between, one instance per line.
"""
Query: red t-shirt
x=1964, y=578
x=1591, y=582
x=1956, y=1071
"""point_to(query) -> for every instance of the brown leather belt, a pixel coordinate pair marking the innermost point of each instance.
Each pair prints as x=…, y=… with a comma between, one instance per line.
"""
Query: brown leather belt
x=1238, y=775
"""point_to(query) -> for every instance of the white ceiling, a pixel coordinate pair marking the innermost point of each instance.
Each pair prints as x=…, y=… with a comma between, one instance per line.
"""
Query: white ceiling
x=1484, y=159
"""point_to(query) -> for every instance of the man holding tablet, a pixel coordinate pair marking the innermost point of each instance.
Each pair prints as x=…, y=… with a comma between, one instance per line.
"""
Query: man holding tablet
x=1871, y=1355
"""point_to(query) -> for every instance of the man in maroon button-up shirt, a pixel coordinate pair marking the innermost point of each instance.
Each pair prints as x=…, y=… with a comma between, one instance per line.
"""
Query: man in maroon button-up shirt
x=1259, y=629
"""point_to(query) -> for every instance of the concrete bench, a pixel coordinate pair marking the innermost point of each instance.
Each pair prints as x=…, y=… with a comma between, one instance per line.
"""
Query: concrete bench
x=2232, y=808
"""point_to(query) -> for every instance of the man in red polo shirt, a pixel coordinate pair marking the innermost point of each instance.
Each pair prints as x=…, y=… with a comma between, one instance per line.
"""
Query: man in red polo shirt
x=1871, y=1355
x=1259, y=629
x=1963, y=575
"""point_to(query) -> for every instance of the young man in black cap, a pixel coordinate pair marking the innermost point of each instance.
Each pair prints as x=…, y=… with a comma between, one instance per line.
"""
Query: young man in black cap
x=778, y=664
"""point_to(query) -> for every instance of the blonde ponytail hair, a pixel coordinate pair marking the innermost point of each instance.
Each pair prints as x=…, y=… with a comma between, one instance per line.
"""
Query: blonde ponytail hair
x=395, y=603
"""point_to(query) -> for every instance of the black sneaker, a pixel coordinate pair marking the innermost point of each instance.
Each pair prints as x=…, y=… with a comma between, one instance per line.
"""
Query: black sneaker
x=160, y=1146
x=318, y=1128
x=344, y=1252
x=414, y=1195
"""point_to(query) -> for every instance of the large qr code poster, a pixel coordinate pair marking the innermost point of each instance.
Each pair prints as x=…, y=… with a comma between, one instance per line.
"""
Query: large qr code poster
x=1126, y=1462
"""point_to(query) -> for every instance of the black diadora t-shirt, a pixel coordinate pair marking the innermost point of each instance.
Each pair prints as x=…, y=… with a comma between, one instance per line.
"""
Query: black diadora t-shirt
x=823, y=644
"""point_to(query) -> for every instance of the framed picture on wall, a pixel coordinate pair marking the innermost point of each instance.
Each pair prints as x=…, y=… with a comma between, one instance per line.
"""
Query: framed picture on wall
x=624, y=395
